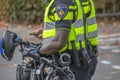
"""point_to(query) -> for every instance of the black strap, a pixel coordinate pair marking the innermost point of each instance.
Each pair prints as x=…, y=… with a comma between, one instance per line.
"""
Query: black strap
x=75, y=55
x=85, y=16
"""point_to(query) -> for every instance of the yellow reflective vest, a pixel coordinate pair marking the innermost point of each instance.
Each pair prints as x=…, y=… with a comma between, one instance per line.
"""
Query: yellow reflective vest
x=91, y=24
x=76, y=32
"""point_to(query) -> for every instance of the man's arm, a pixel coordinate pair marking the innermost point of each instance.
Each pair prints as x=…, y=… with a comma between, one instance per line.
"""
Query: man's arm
x=63, y=22
x=58, y=42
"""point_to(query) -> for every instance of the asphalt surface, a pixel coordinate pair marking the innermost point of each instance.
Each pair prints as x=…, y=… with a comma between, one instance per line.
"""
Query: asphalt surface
x=108, y=67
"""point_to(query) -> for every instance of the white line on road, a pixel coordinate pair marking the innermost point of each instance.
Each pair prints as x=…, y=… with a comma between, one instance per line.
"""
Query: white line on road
x=116, y=67
x=105, y=62
x=116, y=51
x=108, y=62
x=107, y=47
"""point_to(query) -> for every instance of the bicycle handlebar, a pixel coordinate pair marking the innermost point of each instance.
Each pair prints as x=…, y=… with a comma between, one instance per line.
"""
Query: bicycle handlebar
x=28, y=49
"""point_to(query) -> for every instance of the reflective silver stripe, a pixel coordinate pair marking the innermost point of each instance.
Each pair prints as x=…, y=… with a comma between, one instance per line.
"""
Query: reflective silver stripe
x=80, y=37
x=78, y=23
x=49, y=25
x=92, y=34
x=91, y=21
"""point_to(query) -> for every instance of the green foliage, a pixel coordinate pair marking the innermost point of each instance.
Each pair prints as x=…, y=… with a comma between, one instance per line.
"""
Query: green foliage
x=107, y=5
x=117, y=5
x=24, y=11
x=32, y=11
x=1, y=9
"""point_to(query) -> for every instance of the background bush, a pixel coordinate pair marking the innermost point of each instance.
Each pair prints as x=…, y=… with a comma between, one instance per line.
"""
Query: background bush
x=108, y=5
x=32, y=11
x=22, y=11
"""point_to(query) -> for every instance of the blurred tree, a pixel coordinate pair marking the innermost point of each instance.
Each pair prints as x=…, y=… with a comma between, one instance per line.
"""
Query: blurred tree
x=107, y=5
x=27, y=11
x=1, y=9
x=99, y=6
x=32, y=11
x=117, y=5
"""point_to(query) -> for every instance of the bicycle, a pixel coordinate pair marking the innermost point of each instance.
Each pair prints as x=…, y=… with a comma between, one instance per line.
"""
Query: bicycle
x=41, y=67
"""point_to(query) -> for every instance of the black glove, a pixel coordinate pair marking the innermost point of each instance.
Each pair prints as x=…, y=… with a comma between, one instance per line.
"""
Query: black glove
x=34, y=53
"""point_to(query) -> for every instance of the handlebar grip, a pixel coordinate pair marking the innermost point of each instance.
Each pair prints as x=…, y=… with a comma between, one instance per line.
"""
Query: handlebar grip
x=35, y=56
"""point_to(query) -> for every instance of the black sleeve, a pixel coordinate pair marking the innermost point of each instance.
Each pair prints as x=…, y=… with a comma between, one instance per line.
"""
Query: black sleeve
x=63, y=23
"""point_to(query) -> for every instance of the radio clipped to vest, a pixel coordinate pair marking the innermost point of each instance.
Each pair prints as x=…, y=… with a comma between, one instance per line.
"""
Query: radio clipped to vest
x=75, y=55
x=84, y=58
x=92, y=51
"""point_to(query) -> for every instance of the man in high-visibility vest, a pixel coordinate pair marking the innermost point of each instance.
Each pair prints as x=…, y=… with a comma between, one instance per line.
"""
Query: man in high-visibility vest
x=63, y=24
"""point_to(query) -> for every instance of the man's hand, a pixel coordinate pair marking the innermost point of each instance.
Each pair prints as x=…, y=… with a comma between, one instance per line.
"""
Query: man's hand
x=37, y=33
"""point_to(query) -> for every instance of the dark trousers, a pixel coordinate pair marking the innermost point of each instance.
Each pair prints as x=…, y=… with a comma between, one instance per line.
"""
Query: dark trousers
x=93, y=67
x=81, y=74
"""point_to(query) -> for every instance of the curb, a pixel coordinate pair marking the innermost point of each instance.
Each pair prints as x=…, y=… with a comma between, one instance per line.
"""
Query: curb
x=117, y=35
x=113, y=39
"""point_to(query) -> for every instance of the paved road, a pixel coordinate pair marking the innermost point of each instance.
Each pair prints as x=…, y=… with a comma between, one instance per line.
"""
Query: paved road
x=8, y=69
x=108, y=67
